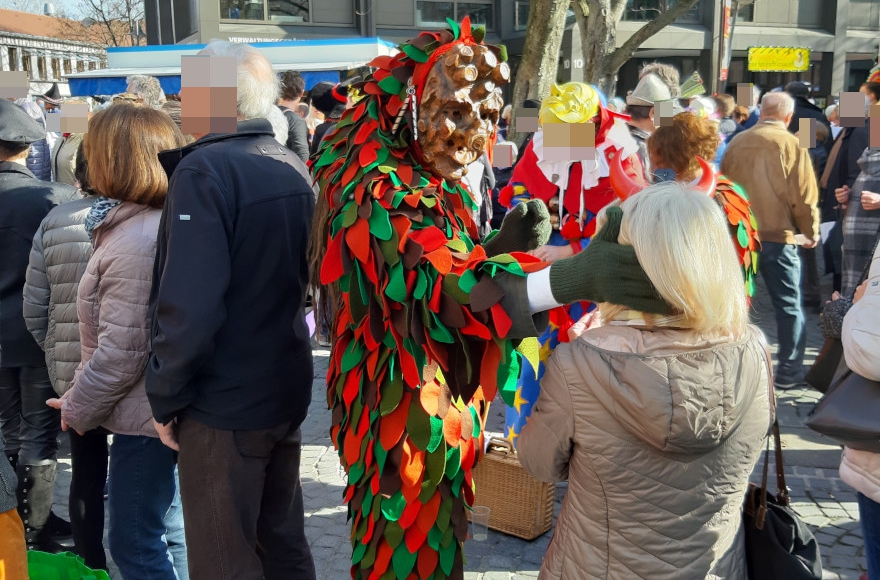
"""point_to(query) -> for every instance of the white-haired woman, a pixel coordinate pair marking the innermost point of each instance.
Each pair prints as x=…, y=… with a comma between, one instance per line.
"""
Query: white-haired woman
x=655, y=419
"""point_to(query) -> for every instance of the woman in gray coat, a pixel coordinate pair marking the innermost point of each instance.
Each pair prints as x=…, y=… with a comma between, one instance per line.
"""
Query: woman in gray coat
x=59, y=255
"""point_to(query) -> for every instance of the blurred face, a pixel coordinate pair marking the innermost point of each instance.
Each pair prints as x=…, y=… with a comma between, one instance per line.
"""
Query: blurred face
x=868, y=95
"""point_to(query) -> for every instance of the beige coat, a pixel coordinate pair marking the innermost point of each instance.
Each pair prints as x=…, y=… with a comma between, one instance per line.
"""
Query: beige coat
x=860, y=336
x=114, y=293
x=777, y=174
x=656, y=432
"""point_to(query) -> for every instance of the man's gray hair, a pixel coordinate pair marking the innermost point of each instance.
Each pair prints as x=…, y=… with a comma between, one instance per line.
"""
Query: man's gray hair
x=147, y=88
x=777, y=105
x=257, y=83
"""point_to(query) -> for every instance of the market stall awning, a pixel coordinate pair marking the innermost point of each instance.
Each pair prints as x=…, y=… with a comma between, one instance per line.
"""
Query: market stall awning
x=317, y=60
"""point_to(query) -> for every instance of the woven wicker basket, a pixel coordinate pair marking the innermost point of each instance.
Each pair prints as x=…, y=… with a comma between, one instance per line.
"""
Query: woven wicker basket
x=521, y=505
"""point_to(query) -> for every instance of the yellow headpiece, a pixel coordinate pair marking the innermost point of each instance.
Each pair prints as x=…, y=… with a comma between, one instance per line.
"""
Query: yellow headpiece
x=569, y=103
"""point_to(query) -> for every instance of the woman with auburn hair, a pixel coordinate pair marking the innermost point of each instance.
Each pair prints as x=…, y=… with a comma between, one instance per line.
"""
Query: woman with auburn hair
x=655, y=420
x=121, y=147
x=683, y=147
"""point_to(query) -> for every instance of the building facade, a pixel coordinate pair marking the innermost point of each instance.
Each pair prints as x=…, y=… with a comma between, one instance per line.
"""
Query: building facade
x=841, y=34
x=37, y=45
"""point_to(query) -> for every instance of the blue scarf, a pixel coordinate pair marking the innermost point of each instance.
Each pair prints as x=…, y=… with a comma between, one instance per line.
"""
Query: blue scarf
x=99, y=211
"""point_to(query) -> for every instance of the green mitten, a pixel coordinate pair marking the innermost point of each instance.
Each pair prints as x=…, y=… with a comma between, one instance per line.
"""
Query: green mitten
x=525, y=227
x=606, y=271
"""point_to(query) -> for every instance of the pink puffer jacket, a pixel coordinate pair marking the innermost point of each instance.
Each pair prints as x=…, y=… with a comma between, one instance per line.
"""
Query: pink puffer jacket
x=112, y=303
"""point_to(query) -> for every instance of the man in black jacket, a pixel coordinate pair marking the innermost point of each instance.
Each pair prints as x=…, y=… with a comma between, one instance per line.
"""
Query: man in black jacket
x=292, y=87
x=29, y=426
x=231, y=359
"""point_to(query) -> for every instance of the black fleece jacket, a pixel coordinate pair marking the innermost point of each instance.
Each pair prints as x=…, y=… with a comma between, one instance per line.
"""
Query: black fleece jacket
x=230, y=346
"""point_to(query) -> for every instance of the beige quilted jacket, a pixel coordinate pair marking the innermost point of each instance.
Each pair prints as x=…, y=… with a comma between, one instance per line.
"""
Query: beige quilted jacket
x=108, y=389
x=656, y=432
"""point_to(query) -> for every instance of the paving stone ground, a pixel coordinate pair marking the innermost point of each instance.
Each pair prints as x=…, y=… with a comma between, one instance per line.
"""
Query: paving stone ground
x=822, y=500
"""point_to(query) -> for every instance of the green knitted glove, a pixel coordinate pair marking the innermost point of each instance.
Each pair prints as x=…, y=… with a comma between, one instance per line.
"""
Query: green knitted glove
x=606, y=271
x=525, y=227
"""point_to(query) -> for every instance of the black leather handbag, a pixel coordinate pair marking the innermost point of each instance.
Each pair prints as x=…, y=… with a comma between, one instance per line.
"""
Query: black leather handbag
x=778, y=544
x=848, y=413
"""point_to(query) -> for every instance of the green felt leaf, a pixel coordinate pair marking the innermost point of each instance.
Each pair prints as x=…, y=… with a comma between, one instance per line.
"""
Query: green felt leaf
x=414, y=53
x=373, y=109
x=327, y=157
x=389, y=249
x=403, y=561
x=370, y=556
x=742, y=236
x=448, y=537
x=435, y=535
x=398, y=197
x=392, y=507
x=381, y=455
x=428, y=489
x=380, y=222
x=391, y=85
x=443, y=516
x=468, y=281
x=453, y=25
x=391, y=392
x=429, y=201
x=352, y=356
x=393, y=532
x=421, y=285
x=451, y=287
x=418, y=426
x=356, y=472
x=358, y=553
x=457, y=245
x=502, y=52
x=507, y=378
x=396, y=288
x=447, y=557
x=476, y=420
x=439, y=332
x=453, y=462
x=395, y=179
x=479, y=33
x=457, y=482
x=357, y=295
x=435, y=461
x=437, y=436
x=349, y=214
x=336, y=225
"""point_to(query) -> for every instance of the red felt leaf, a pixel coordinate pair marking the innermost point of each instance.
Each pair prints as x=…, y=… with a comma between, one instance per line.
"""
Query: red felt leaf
x=363, y=132
x=405, y=173
x=414, y=538
x=367, y=153
x=352, y=447
x=392, y=425
x=383, y=62
x=429, y=238
x=489, y=369
x=410, y=512
x=428, y=514
x=331, y=267
x=427, y=562
x=474, y=327
x=357, y=237
x=501, y=319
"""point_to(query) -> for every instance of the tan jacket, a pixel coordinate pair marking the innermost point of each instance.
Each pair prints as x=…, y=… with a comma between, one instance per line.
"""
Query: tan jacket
x=777, y=174
x=657, y=432
x=108, y=389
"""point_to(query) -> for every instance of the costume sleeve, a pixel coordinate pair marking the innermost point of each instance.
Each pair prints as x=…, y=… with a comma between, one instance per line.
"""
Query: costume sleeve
x=36, y=292
x=545, y=445
x=118, y=362
x=188, y=306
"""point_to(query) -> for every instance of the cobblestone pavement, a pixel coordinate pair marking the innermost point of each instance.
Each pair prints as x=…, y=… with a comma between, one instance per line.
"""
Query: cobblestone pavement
x=818, y=495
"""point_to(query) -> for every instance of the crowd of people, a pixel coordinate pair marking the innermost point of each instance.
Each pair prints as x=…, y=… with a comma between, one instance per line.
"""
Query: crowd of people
x=156, y=286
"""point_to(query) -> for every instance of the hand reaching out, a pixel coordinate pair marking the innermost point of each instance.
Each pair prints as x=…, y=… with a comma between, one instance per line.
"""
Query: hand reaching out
x=549, y=253
x=870, y=200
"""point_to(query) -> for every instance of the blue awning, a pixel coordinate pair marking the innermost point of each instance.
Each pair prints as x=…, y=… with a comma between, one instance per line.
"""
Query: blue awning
x=115, y=83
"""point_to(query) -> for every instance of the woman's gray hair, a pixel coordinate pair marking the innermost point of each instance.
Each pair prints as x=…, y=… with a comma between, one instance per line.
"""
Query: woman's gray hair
x=147, y=88
x=257, y=83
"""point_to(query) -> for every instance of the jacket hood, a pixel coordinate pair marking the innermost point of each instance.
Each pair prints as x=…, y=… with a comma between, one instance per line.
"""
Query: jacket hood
x=674, y=389
x=171, y=159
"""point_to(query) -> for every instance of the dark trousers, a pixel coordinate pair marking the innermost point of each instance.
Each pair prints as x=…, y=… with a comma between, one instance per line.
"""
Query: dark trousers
x=88, y=454
x=30, y=427
x=811, y=293
x=780, y=267
x=243, y=504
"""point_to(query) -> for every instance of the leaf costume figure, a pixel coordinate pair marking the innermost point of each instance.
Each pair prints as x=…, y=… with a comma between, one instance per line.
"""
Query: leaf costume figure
x=574, y=190
x=425, y=315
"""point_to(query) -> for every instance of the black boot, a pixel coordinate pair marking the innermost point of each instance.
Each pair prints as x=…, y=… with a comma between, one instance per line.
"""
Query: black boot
x=36, y=484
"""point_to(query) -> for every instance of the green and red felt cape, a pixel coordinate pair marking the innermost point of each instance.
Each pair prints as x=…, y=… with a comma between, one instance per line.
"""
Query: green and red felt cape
x=421, y=338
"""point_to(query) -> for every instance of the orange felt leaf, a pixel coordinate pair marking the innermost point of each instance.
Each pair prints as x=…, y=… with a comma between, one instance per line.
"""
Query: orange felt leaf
x=357, y=237
x=428, y=514
x=384, y=61
x=478, y=254
x=427, y=562
x=429, y=397
x=349, y=493
x=411, y=493
x=383, y=558
x=441, y=259
x=405, y=173
x=414, y=538
x=489, y=369
x=401, y=226
x=391, y=426
x=412, y=464
x=352, y=446
x=408, y=517
x=467, y=455
x=452, y=426
x=413, y=199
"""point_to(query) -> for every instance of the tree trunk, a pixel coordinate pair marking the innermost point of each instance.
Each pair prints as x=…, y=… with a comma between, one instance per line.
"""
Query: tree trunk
x=540, y=59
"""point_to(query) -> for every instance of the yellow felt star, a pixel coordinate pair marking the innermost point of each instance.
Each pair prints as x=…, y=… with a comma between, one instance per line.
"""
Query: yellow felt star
x=545, y=351
x=511, y=436
x=519, y=401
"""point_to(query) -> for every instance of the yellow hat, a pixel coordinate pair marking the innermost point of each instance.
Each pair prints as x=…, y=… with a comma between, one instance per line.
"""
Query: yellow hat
x=569, y=103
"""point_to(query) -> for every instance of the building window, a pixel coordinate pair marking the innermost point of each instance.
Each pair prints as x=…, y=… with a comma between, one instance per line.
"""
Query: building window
x=26, y=62
x=56, y=68
x=289, y=11
x=431, y=13
x=13, y=58
x=80, y=66
x=645, y=10
x=41, y=67
x=67, y=66
x=746, y=14
x=91, y=65
x=242, y=9
x=521, y=16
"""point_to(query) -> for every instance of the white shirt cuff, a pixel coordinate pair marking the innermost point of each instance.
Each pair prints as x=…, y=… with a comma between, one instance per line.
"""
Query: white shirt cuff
x=540, y=294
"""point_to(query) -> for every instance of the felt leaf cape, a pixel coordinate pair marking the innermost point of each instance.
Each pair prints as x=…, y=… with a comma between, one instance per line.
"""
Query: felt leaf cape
x=421, y=338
